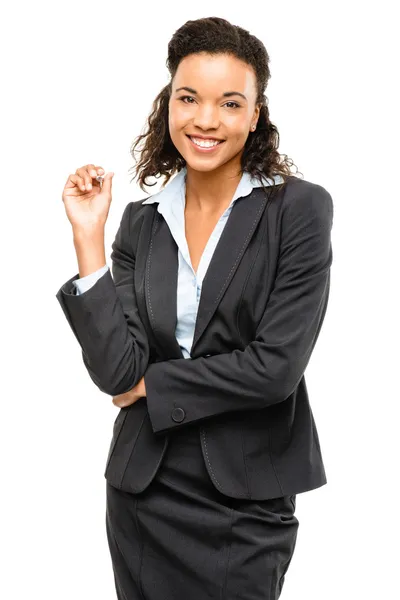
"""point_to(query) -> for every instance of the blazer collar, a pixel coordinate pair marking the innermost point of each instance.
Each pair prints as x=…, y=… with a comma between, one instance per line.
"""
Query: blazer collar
x=172, y=197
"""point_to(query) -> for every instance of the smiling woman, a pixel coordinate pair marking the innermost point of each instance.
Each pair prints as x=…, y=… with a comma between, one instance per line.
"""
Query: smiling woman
x=204, y=331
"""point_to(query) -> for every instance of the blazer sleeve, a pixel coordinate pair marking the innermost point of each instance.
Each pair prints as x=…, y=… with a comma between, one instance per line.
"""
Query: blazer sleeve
x=106, y=321
x=269, y=369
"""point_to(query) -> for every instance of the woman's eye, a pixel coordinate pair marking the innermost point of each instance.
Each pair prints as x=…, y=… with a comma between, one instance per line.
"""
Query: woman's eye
x=183, y=98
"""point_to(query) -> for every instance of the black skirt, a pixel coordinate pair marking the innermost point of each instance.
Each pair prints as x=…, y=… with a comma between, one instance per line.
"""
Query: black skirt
x=183, y=539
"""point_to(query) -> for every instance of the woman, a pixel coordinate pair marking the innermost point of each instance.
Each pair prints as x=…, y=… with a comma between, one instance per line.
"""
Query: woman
x=202, y=336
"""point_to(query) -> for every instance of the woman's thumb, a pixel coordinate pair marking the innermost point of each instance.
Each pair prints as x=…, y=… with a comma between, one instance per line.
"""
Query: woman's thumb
x=107, y=181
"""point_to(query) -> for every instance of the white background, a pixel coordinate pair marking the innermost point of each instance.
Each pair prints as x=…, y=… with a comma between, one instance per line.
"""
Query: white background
x=79, y=80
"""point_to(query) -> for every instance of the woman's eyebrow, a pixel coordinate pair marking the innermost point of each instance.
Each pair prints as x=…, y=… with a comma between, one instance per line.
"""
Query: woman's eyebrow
x=226, y=94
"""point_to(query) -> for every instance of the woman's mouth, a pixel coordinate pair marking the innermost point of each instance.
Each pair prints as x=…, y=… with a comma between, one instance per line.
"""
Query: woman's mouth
x=204, y=145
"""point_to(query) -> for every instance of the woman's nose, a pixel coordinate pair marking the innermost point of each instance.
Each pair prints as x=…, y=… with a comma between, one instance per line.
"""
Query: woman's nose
x=206, y=118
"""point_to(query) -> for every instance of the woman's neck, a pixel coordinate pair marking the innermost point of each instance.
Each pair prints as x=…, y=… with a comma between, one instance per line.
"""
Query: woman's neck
x=210, y=192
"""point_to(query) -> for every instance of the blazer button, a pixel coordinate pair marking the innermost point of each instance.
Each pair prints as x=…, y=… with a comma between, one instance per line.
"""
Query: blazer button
x=178, y=414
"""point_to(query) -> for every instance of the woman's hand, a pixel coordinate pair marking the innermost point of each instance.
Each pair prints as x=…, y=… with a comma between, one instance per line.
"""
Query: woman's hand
x=86, y=201
x=123, y=400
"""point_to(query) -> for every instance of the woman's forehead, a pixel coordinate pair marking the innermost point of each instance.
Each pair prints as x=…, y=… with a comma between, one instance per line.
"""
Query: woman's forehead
x=206, y=73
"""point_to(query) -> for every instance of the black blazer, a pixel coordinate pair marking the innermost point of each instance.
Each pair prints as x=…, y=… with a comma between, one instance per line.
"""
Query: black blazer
x=263, y=301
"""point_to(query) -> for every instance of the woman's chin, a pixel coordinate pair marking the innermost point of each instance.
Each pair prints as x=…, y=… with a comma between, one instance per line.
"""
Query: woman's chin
x=201, y=165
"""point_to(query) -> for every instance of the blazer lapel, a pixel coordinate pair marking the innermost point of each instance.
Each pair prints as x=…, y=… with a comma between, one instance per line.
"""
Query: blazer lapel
x=161, y=280
x=236, y=235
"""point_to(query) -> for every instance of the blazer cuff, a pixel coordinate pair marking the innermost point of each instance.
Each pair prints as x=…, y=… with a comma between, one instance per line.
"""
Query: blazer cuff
x=85, y=283
x=164, y=412
x=69, y=288
x=77, y=308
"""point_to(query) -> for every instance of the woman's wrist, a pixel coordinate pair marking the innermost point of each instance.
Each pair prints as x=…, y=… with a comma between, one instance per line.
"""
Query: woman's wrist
x=90, y=250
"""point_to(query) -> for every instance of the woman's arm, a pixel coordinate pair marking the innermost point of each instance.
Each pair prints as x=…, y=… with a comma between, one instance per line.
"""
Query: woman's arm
x=105, y=319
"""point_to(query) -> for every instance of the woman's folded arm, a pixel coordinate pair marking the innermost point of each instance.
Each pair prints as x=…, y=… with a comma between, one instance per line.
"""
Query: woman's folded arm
x=269, y=369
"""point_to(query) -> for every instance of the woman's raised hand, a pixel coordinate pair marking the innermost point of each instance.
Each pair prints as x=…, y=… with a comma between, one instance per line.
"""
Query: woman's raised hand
x=86, y=201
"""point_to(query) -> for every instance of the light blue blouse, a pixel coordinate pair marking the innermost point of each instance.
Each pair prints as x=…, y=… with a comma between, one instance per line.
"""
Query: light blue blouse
x=171, y=205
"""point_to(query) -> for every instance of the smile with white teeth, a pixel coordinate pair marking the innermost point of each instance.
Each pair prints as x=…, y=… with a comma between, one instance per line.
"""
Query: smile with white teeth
x=204, y=143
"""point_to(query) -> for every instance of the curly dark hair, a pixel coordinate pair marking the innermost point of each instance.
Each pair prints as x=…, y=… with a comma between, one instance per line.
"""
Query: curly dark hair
x=213, y=35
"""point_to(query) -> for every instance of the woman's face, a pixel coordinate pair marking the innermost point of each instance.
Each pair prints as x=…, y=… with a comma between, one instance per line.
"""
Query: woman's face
x=202, y=109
